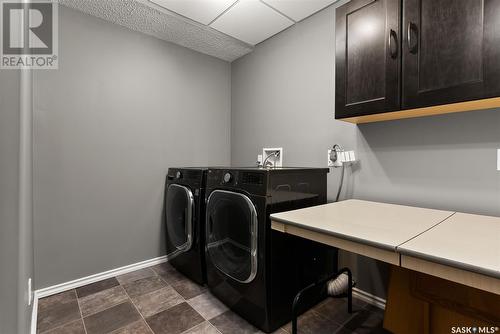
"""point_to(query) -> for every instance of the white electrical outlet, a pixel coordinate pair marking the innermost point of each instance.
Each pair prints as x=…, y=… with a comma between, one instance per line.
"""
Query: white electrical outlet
x=352, y=156
x=343, y=156
x=30, y=292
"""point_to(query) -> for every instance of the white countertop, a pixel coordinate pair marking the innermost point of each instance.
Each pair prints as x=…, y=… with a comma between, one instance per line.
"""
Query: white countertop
x=466, y=241
x=376, y=224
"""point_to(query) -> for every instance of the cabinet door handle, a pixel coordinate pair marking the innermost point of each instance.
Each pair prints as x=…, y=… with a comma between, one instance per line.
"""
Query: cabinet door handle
x=393, y=35
x=412, y=47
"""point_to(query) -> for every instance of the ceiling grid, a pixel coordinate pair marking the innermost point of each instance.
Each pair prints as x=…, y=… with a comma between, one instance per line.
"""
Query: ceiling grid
x=226, y=29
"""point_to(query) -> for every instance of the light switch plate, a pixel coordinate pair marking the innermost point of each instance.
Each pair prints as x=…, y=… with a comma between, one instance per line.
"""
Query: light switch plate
x=30, y=292
x=498, y=159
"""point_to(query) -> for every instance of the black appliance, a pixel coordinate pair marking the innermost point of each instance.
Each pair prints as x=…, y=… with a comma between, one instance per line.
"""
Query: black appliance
x=185, y=221
x=253, y=269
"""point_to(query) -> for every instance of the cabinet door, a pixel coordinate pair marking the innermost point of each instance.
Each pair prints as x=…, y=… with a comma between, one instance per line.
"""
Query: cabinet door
x=367, y=57
x=451, y=51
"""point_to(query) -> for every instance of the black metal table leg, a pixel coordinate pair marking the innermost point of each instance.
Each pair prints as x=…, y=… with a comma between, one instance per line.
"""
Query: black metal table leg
x=296, y=301
x=349, y=290
x=295, y=307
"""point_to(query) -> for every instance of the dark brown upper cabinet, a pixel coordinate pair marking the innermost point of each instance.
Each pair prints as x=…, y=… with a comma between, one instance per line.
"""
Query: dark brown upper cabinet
x=367, y=57
x=445, y=52
x=451, y=51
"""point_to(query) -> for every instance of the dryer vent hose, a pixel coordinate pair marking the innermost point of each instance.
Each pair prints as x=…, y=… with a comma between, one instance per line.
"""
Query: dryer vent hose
x=339, y=285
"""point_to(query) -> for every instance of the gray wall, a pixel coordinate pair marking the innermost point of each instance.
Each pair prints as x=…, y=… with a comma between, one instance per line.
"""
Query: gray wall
x=121, y=109
x=447, y=162
x=283, y=95
x=16, y=225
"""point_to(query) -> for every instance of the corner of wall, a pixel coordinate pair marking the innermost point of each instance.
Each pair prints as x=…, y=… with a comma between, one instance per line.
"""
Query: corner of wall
x=25, y=201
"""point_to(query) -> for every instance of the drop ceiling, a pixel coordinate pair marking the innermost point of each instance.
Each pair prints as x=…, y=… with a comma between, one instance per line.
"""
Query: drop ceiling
x=203, y=11
x=226, y=29
x=251, y=21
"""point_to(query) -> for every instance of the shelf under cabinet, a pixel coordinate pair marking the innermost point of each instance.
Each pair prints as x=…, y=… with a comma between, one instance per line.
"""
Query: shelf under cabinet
x=427, y=111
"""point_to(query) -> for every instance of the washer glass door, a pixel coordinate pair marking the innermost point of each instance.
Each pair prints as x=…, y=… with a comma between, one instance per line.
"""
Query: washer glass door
x=232, y=234
x=179, y=207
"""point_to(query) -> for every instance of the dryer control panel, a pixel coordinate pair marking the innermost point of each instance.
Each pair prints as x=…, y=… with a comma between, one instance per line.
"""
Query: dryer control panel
x=253, y=182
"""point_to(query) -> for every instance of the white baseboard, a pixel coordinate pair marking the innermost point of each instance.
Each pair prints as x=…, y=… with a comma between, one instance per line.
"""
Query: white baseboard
x=369, y=298
x=52, y=290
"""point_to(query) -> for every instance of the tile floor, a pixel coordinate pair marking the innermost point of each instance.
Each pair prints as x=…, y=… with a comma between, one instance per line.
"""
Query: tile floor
x=160, y=300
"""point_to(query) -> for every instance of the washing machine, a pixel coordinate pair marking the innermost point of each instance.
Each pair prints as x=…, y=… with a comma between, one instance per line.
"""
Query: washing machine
x=253, y=269
x=184, y=221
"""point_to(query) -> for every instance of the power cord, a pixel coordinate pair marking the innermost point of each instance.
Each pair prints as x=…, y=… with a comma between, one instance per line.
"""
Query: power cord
x=341, y=183
x=336, y=149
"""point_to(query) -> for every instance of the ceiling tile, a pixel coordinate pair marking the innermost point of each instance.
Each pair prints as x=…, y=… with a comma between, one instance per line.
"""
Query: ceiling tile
x=251, y=21
x=203, y=11
x=298, y=9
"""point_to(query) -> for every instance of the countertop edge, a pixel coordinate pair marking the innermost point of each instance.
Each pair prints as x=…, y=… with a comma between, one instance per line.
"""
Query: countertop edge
x=337, y=235
x=448, y=262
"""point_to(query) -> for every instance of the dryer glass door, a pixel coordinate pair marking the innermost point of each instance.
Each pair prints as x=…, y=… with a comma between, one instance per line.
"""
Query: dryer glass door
x=232, y=234
x=179, y=207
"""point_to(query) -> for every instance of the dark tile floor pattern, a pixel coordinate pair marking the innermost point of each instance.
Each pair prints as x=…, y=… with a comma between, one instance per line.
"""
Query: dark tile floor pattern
x=160, y=300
